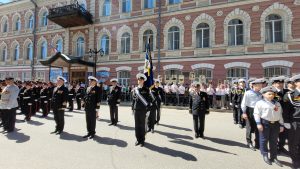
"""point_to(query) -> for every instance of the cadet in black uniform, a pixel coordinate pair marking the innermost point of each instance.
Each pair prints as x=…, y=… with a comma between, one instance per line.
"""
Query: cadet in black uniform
x=20, y=97
x=160, y=98
x=141, y=104
x=27, y=102
x=237, y=101
x=92, y=101
x=153, y=108
x=71, y=97
x=233, y=90
x=44, y=100
x=291, y=117
x=199, y=107
x=59, y=103
x=79, y=95
x=114, y=99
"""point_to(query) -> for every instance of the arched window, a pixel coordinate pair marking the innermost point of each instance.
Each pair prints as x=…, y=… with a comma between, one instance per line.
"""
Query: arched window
x=80, y=47
x=43, y=50
x=203, y=72
x=30, y=22
x=18, y=24
x=274, y=71
x=273, y=28
x=105, y=44
x=29, y=53
x=237, y=73
x=106, y=8
x=59, y=45
x=44, y=21
x=172, y=75
x=4, y=54
x=126, y=6
x=125, y=43
x=235, y=32
x=202, y=35
x=173, y=38
x=4, y=26
x=16, y=52
x=123, y=77
x=148, y=34
x=174, y=1
x=148, y=4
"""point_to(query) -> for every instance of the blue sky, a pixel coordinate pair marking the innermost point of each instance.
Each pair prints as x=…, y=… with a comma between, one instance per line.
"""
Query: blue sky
x=4, y=1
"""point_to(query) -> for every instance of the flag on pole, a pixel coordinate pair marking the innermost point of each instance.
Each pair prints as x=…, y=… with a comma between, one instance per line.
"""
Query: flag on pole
x=148, y=69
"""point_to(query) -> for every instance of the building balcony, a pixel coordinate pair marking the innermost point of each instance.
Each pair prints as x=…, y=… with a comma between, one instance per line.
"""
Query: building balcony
x=70, y=16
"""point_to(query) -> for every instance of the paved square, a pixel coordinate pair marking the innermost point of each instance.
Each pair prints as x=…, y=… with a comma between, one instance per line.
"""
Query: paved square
x=172, y=146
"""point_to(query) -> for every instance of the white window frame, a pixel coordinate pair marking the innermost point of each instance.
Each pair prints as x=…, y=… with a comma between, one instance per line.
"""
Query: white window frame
x=235, y=33
x=173, y=38
x=124, y=40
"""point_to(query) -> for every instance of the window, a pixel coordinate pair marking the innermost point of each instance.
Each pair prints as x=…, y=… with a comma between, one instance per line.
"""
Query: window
x=273, y=71
x=124, y=78
x=148, y=34
x=43, y=50
x=30, y=22
x=148, y=4
x=4, y=26
x=29, y=51
x=173, y=38
x=172, y=75
x=126, y=6
x=174, y=1
x=105, y=44
x=80, y=47
x=26, y=76
x=2, y=75
x=18, y=24
x=44, y=19
x=125, y=43
x=4, y=54
x=16, y=52
x=59, y=45
x=207, y=73
x=235, y=32
x=237, y=73
x=202, y=35
x=106, y=8
x=273, y=28
x=40, y=76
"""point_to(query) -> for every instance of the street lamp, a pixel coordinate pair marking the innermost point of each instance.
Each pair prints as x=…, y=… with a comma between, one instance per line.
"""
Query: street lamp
x=95, y=52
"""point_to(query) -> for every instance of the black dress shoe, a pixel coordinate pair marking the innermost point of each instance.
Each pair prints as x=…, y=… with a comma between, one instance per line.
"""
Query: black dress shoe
x=142, y=144
x=111, y=124
x=267, y=160
x=149, y=130
x=201, y=136
x=115, y=124
x=152, y=131
x=196, y=135
x=251, y=147
x=53, y=132
x=277, y=162
x=59, y=132
x=137, y=143
x=92, y=136
x=86, y=136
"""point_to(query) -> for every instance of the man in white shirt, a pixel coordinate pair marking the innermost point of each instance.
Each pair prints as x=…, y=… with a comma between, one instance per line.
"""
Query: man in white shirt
x=181, y=91
x=210, y=92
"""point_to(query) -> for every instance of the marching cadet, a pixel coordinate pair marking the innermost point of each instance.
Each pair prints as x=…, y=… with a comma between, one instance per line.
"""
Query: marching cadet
x=71, y=97
x=289, y=84
x=236, y=116
x=268, y=117
x=59, y=103
x=114, y=99
x=20, y=97
x=249, y=100
x=237, y=101
x=278, y=84
x=291, y=116
x=160, y=98
x=27, y=101
x=92, y=101
x=9, y=104
x=153, y=108
x=199, y=107
x=79, y=95
x=44, y=100
x=141, y=104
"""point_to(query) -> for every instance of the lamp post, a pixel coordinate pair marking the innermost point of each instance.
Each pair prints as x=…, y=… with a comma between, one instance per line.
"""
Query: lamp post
x=95, y=52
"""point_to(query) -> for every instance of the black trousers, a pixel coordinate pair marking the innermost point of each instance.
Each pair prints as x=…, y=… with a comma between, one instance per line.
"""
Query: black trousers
x=27, y=111
x=199, y=123
x=235, y=115
x=294, y=143
x=152, y=118
x=71, y=104
x=113, y=109
x=251, y=127
x=269, y=135
x=9, y=119
x=45, y=107
x=78, y=100
x=210, y=100
x=59, y=117
x=90, y=115
x=158, y=112
x=140, y=127
x=283, y=136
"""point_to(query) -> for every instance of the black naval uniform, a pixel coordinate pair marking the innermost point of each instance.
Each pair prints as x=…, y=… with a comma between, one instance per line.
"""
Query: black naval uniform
x=44, y=101
x=92, y=101
x=114, y=98
x=199, y=107
x=152, y=115
x=141, y=104
x=79, y=95
x=237, y=100
x=20, y=99
x=158, y=92
x=291, y=115
x=71, y=98
x=27, y=102
x=59, y=103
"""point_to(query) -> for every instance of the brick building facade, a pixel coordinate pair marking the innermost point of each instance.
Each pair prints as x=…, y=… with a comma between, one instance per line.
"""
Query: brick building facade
x=214, y=39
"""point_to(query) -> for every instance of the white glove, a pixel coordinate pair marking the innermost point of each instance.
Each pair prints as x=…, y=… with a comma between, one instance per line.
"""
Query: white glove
x=230, y=104
x=29, y=104
x=287, y=125
x=236, y=106
x=118, y=105
x=148, y=113
x=45, y=102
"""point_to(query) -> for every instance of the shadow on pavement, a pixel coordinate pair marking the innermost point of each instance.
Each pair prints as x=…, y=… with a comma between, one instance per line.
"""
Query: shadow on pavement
x=174, y=136
x=71, y=137
x=35, y=123
x=170, y=152
x=122, y=127
x=104, y=120
x=175, y=127
x=110, y=141
x=18, y=137
x=226, y=142
x=183, y=142
x=284, y=163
